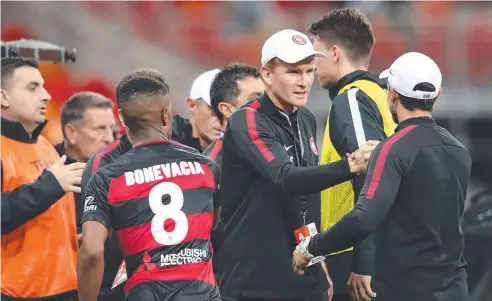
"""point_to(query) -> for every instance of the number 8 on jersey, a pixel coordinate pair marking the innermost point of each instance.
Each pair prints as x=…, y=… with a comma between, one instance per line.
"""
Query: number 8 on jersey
x=163, y=212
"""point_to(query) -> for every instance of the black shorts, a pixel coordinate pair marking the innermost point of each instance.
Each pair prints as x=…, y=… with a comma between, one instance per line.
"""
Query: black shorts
x=173, y=291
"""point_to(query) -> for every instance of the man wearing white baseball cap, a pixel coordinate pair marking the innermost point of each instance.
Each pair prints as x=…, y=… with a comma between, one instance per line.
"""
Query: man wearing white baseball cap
x=203, y=127
x=415, y=79
x=271, y=181
x=412, y=199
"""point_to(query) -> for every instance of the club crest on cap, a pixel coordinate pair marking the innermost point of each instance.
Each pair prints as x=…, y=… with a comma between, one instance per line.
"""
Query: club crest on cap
x=299, y=40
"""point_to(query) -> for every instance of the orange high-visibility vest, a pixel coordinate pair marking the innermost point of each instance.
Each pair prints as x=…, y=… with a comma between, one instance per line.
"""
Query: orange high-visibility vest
x=39, y=258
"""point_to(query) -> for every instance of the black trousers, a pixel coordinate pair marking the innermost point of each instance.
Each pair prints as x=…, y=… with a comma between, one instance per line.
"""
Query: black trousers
x=318, y=297
x=340, y=266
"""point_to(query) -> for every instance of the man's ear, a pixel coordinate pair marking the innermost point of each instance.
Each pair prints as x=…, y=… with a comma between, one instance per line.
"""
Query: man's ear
x=335, y=54
x=191, y=104
x=266, y=74
x=225, y=109
x=393, y=98
x=4, y=99
x=70, y=133
x=167, y=116
x=438, y=95
x=121, y=118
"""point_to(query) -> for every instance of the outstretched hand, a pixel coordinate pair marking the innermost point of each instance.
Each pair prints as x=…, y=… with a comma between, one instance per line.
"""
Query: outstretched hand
x=299, y=261
x=359, y=159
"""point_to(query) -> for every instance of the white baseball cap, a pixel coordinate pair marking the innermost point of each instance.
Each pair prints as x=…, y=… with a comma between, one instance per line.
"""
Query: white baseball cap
x=201, y=85
x=289, y=46
x=411, y=69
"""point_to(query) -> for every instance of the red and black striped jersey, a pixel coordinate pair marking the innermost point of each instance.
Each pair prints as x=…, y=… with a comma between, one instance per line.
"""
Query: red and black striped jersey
x=159, y=200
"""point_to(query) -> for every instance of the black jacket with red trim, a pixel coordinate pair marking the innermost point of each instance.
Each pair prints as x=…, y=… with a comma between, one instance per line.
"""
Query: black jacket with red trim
x=270, y=176
x=214, y=151
x=413, y=200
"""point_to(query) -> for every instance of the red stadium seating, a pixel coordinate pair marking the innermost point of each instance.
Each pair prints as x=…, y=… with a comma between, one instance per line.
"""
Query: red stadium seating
x=14, y=32
x=433, y=10
x=478, y=49
x=389, y=45
x=432, y=40
x=195, y=29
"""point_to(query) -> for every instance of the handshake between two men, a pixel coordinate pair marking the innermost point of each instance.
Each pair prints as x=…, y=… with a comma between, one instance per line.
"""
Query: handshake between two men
x=359, y=159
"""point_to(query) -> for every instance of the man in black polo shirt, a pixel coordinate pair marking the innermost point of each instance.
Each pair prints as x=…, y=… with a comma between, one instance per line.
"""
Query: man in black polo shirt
x=412, y=199
x=271, y=180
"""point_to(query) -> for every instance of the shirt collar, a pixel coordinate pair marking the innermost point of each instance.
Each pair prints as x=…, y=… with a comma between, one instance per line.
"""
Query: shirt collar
x=268, y=108
x=345, y=80
x=16, y=131
x=60, y=149
x=423, y=121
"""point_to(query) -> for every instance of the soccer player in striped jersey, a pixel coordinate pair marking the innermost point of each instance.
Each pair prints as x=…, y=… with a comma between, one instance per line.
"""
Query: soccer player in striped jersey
x=159, y=200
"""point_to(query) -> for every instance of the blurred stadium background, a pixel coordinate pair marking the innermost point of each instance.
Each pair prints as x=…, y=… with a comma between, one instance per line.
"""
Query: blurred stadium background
x=183, y=39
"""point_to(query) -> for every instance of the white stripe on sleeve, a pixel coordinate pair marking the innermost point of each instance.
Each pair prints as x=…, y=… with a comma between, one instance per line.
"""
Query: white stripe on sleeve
x=356, y=118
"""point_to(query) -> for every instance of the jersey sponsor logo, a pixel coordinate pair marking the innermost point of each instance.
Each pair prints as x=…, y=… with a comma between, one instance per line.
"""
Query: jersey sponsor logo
x=288, y=147
x=300, y=40
x=313, y=146
x=88, y=206
x=185, y=256
x=159, y=172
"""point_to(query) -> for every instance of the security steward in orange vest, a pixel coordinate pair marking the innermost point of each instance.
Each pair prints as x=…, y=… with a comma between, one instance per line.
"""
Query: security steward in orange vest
x=39, y=244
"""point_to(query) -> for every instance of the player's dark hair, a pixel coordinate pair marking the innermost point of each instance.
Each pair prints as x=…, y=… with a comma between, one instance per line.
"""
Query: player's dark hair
x=413, y=104
x=73, y=110
x=348, y=28
x=9, y=65
x=138, y=88
x=152, y=73
x=225, y=86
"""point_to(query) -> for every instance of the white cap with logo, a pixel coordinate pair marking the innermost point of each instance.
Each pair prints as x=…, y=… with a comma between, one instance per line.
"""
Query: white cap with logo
x=289, y=46
x=201, y=85
x=411, y=69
